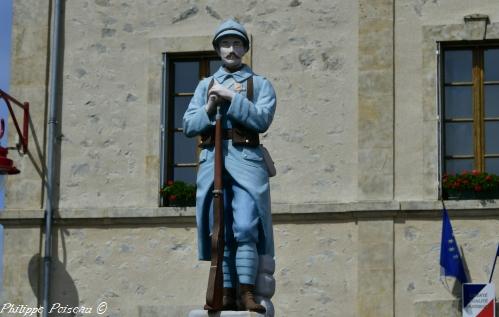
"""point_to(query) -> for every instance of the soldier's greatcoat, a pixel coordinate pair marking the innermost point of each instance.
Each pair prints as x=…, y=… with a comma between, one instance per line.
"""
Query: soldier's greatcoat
x=244, y=164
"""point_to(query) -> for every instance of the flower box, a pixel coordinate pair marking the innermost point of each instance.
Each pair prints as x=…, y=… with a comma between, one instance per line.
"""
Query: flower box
x=471, y=195
x=470, y=185
x=179, y=194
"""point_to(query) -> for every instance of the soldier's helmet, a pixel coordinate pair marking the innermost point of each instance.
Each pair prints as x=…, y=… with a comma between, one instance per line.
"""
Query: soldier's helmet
x=233, y=28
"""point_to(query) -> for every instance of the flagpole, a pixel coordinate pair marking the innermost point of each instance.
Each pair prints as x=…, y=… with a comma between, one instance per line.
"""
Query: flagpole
x=494, y=266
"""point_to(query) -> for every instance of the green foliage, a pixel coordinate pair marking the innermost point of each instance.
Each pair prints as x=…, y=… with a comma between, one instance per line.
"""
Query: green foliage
x=179, y=193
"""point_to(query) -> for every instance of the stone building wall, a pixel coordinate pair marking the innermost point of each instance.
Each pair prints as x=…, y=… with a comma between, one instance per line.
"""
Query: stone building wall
x=109, y=138
x=29, y=76
x=418, y=26
x=335, y=260
x=137, y=266
x=417, y=250
x=354, y=139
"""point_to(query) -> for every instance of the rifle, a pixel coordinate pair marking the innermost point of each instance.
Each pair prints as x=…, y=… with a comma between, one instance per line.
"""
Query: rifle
x=214, y=293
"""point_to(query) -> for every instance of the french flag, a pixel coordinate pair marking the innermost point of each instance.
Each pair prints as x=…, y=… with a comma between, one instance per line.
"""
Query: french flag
x=479, y=300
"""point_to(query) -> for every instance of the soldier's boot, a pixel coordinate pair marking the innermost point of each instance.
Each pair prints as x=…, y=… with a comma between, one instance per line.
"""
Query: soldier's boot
x=229, y=299
x=248, y=299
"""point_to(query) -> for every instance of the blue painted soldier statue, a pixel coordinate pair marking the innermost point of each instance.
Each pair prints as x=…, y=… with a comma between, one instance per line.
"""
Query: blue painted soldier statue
x=247, y=103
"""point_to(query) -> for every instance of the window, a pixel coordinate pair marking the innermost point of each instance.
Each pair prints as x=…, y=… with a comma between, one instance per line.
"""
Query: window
x=182, y=73
x=470, y=99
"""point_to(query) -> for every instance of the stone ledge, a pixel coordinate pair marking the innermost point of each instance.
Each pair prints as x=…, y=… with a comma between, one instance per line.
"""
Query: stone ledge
x=204, y=313
x=437, y=308
x=281, y=212
x=166, y=310
x=188, y=311
x=449, y=204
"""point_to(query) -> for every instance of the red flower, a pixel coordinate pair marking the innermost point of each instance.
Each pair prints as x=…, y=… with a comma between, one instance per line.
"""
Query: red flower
x=488, y=178
x=475, y=172
x=465, y=172
x=169, y=182
x=172, y=198
x=478, y=188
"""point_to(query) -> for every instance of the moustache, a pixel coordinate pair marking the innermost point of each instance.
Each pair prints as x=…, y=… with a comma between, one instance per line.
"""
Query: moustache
x=234, y=55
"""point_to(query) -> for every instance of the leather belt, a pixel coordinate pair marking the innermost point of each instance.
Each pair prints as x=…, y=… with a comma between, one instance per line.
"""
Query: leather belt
x=238, y=136
x=227, y=134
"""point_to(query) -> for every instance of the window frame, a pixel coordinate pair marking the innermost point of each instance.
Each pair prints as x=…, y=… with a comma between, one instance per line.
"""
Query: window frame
x=168, y=130
x=477, y=83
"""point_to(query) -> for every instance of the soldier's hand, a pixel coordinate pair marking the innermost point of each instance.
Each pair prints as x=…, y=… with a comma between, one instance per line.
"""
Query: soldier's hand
x=222, y=92
x=211, y=105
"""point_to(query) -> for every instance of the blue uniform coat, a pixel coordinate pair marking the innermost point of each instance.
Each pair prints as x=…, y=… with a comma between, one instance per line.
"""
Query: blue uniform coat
x=244, y=164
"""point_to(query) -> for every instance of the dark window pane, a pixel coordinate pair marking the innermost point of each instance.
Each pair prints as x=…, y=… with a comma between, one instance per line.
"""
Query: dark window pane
x=186, y=76
x=458, y=102
x=184, y=149
x=457, y=166
x=458, y=65
x=491, y=64
x=492, y=137
x=491, y=100
x=215, y=65
x=181, y=104
x=492, y=165
x=185, y=174
x=458, y=138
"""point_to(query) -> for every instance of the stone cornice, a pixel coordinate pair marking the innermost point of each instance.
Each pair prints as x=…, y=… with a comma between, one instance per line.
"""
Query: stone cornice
x=281, y=212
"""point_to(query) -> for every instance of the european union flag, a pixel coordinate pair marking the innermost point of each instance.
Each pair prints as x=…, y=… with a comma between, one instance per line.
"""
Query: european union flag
x=450, y=259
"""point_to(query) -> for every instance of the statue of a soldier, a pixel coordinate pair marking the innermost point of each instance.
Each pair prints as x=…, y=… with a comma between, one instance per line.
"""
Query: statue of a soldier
x=247, y=103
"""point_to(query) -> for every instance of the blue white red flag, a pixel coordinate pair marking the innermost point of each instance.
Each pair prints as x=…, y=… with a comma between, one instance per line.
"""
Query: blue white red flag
x=479, y=300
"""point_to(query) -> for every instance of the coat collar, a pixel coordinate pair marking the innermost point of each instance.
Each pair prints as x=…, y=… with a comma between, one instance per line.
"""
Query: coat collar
x=241, y=75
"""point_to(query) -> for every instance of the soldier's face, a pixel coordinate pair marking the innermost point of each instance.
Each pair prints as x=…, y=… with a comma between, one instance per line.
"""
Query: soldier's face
x=231, y=49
